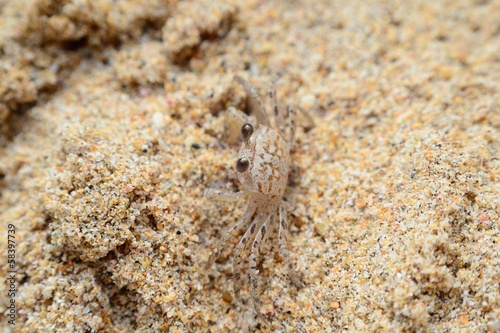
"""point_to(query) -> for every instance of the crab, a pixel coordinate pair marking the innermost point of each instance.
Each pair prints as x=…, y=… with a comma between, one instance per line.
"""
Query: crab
x=262, y=168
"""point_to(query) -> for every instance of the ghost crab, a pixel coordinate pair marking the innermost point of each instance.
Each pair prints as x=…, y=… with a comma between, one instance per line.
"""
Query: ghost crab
x=262, y=168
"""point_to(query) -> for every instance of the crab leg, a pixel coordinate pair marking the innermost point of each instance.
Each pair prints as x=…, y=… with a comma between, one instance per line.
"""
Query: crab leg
x=253, y=266
x=282, y=239
x=291, y=125
x=222, y=195
x=255, y=103
x=275, y=110
x=233, y=120
x=220, y=244
x=242, y=245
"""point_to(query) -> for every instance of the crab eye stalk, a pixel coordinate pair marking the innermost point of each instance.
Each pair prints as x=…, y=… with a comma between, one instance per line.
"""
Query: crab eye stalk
x=246, y=131
x=242, y=164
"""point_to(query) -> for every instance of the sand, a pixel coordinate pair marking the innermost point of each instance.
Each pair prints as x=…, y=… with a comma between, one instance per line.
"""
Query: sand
x=112, y=127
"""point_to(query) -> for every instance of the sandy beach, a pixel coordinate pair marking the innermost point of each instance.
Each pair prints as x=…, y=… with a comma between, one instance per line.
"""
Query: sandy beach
x=112, y=127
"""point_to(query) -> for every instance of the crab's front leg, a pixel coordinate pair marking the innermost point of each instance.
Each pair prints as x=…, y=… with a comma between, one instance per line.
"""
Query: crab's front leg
x=222, y=195
x=233, y=121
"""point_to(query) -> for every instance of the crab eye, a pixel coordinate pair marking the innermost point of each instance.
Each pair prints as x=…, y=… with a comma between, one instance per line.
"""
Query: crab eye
x=242, y=164
x=246, y=130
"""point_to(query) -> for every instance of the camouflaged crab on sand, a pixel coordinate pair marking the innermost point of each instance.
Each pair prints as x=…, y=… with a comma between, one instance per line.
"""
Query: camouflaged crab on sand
x=263, y=166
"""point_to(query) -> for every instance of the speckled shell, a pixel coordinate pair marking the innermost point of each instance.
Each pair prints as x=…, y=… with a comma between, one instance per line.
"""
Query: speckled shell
x=268, y=154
